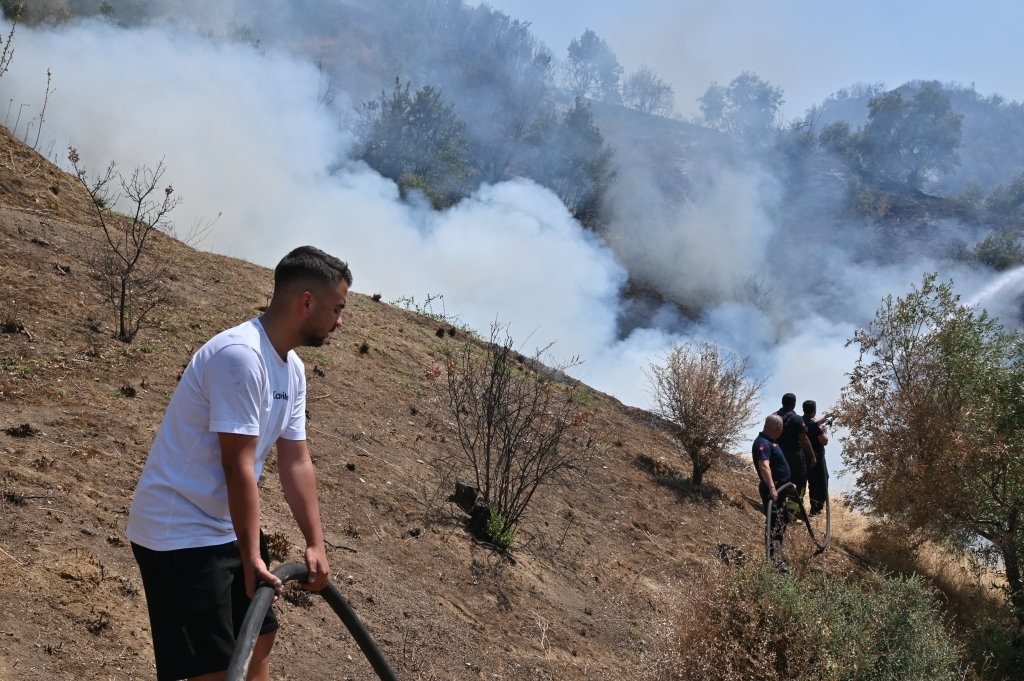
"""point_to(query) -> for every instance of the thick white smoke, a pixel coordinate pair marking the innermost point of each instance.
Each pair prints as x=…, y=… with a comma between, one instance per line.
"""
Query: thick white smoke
x=702, y=251
x=243, y=135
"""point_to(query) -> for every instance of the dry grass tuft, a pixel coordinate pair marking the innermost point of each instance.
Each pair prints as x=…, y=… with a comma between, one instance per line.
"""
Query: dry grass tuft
x=756, y=624
x=968, y=591
x=297, y=596
x=278, y=546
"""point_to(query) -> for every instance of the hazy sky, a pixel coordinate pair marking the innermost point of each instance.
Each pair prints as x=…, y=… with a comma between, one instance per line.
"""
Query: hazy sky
x=810, y=48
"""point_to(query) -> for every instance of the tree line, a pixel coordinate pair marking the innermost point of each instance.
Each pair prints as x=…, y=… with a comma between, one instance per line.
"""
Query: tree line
x=470, y=96
x=490, y=103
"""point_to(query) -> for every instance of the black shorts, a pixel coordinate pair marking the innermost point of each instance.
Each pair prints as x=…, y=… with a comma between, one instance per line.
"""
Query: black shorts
x=197, y=602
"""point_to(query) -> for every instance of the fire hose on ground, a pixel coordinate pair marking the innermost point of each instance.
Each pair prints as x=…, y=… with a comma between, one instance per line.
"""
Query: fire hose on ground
x=242, y=656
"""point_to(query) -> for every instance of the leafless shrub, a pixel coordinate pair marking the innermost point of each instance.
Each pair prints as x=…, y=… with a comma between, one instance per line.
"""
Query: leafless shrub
x=704, y=393
x=127, y=587
x=100, y=624
x=197, y=232
x=124, y=266
x=756, y=291
x=42, y=114
x=517, y=428
x=7, y=54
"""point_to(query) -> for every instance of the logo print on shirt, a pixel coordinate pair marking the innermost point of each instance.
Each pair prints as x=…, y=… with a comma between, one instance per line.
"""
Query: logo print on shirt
x=280, y=396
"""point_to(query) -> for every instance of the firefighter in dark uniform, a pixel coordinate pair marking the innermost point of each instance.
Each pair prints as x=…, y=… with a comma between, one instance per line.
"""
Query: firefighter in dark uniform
x=795, y=445
x=817, y=477
x=773, y=472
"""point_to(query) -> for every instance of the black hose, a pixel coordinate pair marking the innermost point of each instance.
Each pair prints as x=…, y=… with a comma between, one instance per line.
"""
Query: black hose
x=359, y=633
x=246, y=642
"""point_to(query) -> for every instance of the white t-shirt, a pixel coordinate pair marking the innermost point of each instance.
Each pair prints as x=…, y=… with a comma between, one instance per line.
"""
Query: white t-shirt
x=235, y=383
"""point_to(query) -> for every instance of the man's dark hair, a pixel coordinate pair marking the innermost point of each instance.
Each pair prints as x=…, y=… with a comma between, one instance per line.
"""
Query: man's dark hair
x=789, y=401
x=310, y=264
x=810, y=407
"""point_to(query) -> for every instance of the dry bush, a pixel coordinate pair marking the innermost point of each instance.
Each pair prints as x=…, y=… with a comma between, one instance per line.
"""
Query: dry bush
x=973, y=596
x=704, y=393
x=124, y=264
x=970, y=591
x=754, y=623
x=520, y=426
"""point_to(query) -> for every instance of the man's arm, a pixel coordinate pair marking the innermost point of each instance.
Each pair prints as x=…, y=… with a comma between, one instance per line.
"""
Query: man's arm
x=238, y=456
x=823, y=437
x=298, y=480
x=805, y=442
x=766, y=474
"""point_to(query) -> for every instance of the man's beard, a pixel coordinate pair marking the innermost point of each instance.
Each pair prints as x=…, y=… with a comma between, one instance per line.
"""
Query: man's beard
x=311, y=339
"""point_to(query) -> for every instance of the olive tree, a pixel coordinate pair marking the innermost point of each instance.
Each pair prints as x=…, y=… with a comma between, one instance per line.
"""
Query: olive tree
x=592, y=69
x=645, y=91
x=906, y=140
x=706, y=396
x=935, y=411
x=748, y=107
x=417, y=140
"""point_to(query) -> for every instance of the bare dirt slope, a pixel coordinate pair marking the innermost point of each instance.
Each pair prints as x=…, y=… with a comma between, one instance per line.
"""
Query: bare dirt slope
x=583, y=595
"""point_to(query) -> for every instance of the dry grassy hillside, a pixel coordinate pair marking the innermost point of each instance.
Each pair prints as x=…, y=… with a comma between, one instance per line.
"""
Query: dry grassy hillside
x=583, y=596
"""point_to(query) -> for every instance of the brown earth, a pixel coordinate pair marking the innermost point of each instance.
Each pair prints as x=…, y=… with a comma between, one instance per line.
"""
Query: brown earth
x=584, y=594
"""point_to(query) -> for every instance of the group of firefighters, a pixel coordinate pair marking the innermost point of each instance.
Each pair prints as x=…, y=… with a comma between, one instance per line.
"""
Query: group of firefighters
x=791, y=448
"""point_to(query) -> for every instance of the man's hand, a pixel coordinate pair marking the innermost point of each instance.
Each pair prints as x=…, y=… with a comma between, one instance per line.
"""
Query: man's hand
x=319, y=570
x=254, y=569
x=774, y=494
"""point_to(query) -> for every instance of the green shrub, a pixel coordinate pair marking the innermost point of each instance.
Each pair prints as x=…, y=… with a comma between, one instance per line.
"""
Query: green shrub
x=1007, y=199
x=972, y=195
x=761, y=624
x=991, y=648
x=1000, y=250
x=499, y=530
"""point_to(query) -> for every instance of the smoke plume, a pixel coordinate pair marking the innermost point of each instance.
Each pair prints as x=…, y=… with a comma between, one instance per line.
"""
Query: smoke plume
x=247, y=133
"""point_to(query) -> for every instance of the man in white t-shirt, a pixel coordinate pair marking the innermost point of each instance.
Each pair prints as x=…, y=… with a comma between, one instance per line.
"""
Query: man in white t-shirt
x=195, y=521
